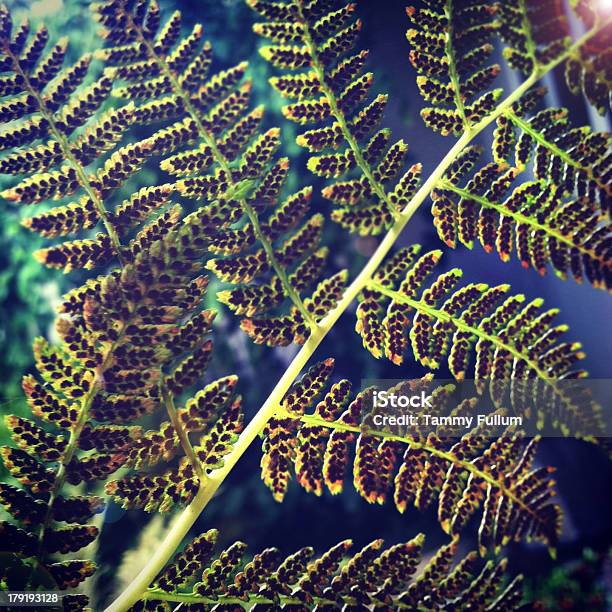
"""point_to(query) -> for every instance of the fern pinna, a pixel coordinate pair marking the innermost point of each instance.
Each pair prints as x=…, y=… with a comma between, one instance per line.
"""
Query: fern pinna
x=233, y=166
x=373, y=577
x=43, y=106
x=133, y=338
x=330, y=88
x=486, y=466
x=538, y=34
x=572, y=236
x=516, y=344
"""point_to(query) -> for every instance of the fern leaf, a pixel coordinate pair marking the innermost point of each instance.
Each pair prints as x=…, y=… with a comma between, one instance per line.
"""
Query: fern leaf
x=449, y=322
x=331, y=89
x=415, y=466
x=52, y=103
x=537, y=37
x=534, y=217
x=450, y=50
x=232, y=164
x=372, y=576
x=295, y=265
x=132, y=336
x=171, y=337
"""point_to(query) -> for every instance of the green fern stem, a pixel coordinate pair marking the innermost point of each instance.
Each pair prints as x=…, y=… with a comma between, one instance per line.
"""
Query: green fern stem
x=526, y=27
x=188, y=516
x=225, y=165
x=449, y=50
x=67, y=151
x=194, y=598
x=555, y=150
x=331, y=97
x=183, y=436
x=251, y=600
x=60, y=474
x=525, y=220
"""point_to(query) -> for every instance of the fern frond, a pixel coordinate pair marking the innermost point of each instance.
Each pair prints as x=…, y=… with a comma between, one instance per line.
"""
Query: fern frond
x=451, y=39
x=572, y=235
x=485, y=467
x=372, y=576
x=575, y=159
x=451, y=50
x=233, y=167
x=333, y=91
x=133, y=339
x=301, y=261
x=537, y=35
x=512, y=340
x=49, y=103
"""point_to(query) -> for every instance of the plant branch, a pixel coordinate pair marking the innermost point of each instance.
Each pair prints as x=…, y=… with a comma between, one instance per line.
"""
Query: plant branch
x=75, y=433
x=186, y=519
x=183, y=436
x=449, y=50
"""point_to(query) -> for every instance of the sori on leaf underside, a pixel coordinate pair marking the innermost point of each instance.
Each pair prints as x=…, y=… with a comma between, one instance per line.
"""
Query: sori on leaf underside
x=388, y=578
x=452, y=43
x=484, y=465
x=135, y=339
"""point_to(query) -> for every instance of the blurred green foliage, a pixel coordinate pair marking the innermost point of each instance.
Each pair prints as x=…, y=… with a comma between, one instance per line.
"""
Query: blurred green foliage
x=578, y=585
